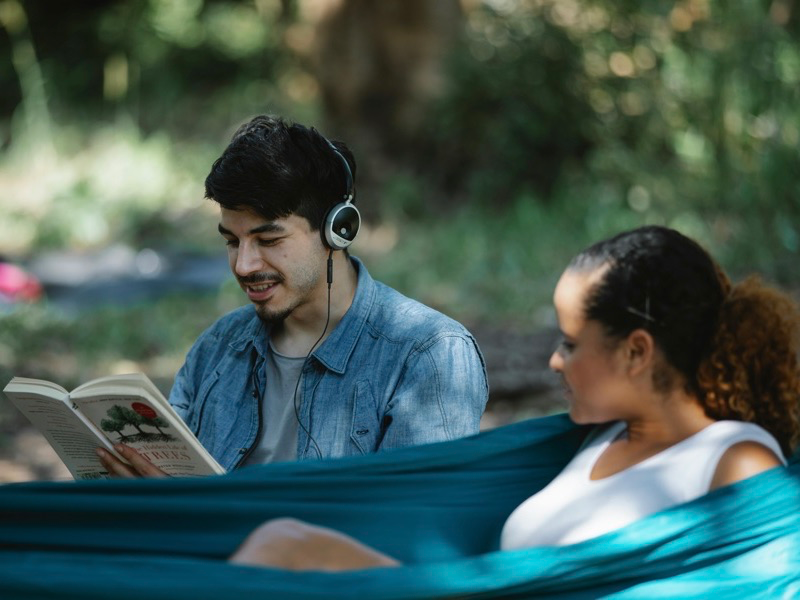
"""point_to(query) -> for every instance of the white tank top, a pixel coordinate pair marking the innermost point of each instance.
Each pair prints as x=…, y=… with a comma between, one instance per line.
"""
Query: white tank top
x=573, y=508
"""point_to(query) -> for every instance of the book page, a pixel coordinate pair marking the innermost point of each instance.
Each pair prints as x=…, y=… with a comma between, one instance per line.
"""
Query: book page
x=138, y=421
x=134, y=384
x=72, y=440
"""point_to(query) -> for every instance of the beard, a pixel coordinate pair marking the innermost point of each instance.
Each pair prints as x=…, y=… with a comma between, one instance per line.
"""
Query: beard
x=305, y=280
x=272, y=317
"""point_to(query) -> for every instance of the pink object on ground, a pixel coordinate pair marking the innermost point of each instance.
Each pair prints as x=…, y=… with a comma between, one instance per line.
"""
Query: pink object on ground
x=17, y=285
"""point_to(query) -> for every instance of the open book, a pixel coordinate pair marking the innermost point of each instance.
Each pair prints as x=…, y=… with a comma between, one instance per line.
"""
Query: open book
x=126, y=409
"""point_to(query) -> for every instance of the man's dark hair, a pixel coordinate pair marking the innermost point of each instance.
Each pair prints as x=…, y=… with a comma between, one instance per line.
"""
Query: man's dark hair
x=277, y=168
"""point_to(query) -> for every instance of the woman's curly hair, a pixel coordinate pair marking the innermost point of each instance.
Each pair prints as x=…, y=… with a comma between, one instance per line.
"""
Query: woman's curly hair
x=752, y=372
x=735, y=347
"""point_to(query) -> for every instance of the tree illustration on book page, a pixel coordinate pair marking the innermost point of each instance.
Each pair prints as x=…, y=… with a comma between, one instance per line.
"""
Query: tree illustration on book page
x=114, y=425
x=137, y=416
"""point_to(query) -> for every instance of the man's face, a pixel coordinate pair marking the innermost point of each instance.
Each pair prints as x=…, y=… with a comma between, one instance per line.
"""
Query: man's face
x=279, y=264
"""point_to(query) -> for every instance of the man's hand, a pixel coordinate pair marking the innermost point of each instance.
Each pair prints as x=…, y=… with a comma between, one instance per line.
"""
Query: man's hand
x=138, y=465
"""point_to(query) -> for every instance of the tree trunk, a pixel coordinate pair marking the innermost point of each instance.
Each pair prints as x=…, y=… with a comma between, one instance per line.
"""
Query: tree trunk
x=379, y=64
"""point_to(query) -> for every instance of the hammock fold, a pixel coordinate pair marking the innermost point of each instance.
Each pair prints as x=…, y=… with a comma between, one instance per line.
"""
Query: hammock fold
x=438, y=508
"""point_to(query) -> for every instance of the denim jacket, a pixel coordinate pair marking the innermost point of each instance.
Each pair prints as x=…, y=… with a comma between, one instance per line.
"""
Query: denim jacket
x=392, y=373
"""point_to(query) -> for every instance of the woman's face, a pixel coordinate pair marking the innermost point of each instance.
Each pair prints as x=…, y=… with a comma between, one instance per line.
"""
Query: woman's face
x=591, y=364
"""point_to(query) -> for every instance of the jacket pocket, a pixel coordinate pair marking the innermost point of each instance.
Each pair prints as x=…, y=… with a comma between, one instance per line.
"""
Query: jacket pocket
x=365, y=431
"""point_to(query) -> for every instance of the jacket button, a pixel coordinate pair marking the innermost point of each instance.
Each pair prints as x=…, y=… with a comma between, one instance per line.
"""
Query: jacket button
x=254, y=394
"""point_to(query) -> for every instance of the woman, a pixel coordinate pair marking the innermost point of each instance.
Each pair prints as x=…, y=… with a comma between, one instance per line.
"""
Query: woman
x=693, y=384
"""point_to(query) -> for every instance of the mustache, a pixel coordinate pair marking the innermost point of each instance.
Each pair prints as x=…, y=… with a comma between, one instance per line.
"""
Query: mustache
x=259, y=278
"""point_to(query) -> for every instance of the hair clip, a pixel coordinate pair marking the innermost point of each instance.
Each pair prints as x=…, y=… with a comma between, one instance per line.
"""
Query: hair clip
x=644, y=315
x=639, y=313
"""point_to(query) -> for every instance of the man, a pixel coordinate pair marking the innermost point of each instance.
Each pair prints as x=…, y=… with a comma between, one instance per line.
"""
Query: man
x=325, y=362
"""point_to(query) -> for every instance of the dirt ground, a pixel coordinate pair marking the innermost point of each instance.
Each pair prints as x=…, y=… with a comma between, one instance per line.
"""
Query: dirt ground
x=28, y=457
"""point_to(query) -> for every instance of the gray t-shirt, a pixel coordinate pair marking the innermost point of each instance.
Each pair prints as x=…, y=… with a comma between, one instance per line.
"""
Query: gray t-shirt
x=278, y=439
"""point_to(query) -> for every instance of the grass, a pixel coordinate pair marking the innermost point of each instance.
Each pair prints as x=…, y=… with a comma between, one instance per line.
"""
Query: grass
x=39, y=341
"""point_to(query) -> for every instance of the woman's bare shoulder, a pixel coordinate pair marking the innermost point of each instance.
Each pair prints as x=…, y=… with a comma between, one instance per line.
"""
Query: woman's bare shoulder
x=743, y=460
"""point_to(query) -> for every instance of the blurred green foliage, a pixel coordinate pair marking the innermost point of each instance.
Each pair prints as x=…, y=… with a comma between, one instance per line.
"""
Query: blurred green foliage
x=685, y=113
x=191, y=68
x=559, y=122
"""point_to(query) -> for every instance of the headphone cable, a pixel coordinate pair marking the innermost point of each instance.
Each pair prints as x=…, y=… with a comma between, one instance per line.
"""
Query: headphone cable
x=311, y=439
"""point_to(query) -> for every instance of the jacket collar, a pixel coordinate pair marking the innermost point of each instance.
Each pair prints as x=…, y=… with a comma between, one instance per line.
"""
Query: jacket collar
x=253, y=333
x=336, y=350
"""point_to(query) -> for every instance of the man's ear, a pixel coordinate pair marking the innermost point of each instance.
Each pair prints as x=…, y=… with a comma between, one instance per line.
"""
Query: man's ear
x=640, y=348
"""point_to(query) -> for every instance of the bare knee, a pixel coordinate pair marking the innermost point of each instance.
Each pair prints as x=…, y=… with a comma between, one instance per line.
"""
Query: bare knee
x=282, y=526
x=274, y=543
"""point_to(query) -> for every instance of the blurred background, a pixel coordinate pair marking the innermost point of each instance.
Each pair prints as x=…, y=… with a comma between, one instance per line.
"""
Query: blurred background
x=494, y=139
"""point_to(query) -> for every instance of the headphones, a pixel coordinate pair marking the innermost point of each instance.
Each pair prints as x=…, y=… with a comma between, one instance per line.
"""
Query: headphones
x=339, y=229
x=342, y=221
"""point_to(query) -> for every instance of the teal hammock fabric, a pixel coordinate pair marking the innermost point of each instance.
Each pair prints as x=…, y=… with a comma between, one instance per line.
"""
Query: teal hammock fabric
x=438, y=508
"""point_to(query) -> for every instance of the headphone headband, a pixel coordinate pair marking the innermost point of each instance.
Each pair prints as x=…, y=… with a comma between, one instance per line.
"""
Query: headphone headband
x=348, y=195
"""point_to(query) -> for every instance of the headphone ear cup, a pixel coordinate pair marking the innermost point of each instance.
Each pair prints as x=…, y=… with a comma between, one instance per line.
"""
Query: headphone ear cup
x=341, y=225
